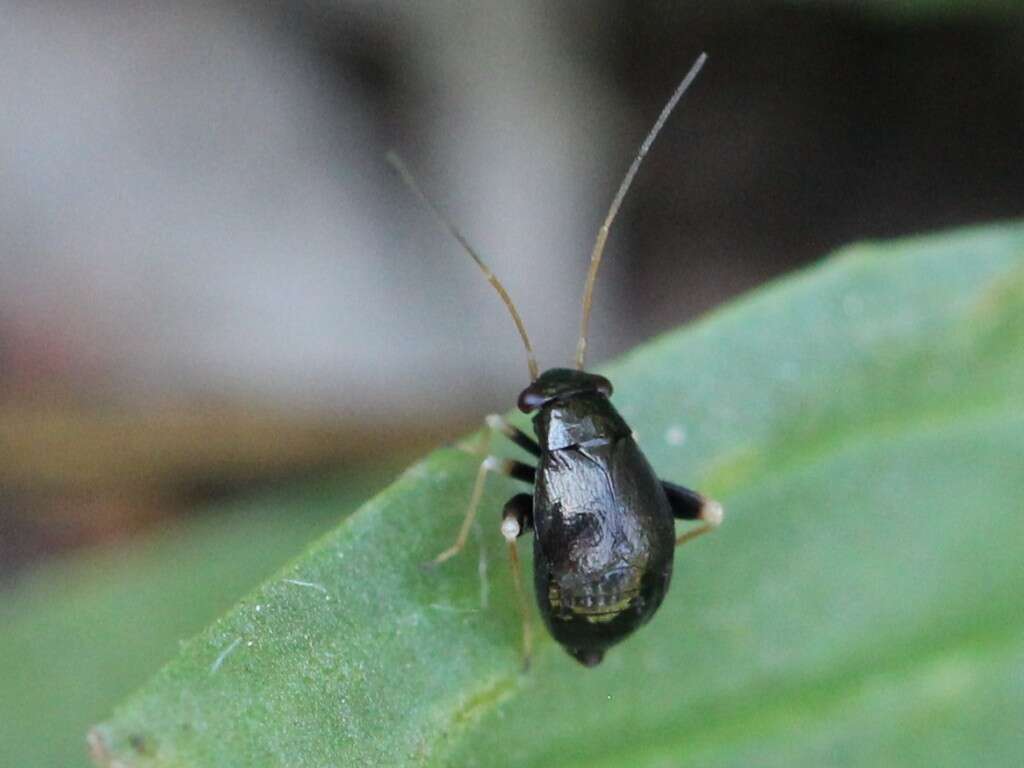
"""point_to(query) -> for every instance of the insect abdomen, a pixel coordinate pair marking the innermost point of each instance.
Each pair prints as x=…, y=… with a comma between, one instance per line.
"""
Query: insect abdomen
x=604, y=542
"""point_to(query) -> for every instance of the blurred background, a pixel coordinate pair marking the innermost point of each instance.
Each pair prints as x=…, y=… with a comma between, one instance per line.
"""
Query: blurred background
x=213, y=285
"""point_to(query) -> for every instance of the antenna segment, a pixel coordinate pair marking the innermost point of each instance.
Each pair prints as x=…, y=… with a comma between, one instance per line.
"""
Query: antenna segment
x=445, y=222
x=602, y=233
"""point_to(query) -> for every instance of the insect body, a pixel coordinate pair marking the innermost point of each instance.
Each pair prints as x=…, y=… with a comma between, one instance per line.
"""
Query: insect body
x=604, y=534
x=603, y=522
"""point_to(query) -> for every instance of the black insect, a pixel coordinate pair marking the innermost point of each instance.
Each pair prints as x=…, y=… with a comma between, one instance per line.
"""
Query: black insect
x=604, y=531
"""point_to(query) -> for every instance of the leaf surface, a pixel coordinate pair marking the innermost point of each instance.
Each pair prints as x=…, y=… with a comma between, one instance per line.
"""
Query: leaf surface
x=80, y=633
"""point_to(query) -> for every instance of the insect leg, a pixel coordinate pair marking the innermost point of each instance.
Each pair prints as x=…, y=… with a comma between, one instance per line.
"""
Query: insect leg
x=516, y=469
x=517, y=436
x=516, y=518
x=690, y=505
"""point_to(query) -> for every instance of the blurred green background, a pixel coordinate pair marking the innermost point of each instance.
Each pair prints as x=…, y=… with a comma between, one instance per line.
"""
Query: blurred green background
x=213, y=292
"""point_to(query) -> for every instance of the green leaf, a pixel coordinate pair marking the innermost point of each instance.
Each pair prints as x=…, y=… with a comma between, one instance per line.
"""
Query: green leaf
x=863, y=423
x=78, y=635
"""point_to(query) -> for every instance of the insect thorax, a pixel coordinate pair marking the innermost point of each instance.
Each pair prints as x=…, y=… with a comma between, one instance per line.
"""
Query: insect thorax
x=578, y=420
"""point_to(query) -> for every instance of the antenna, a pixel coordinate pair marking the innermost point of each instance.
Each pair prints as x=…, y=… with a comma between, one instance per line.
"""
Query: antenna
x=445, y=222
x=602, y=233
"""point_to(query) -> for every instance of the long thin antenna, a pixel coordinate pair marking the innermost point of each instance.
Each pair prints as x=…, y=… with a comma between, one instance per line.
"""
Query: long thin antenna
x=445, y=222
x=602, y=233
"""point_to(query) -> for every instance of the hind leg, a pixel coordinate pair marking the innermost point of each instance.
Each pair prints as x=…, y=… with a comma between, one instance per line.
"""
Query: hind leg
x=690, y=505
x=516, y=519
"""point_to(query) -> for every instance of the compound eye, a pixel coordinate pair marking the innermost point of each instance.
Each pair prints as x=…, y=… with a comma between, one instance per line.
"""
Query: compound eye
x=530, y=400
x=604, y=386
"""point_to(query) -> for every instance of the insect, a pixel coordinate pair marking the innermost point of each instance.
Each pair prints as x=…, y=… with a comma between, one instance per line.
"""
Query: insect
x=603, y=522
